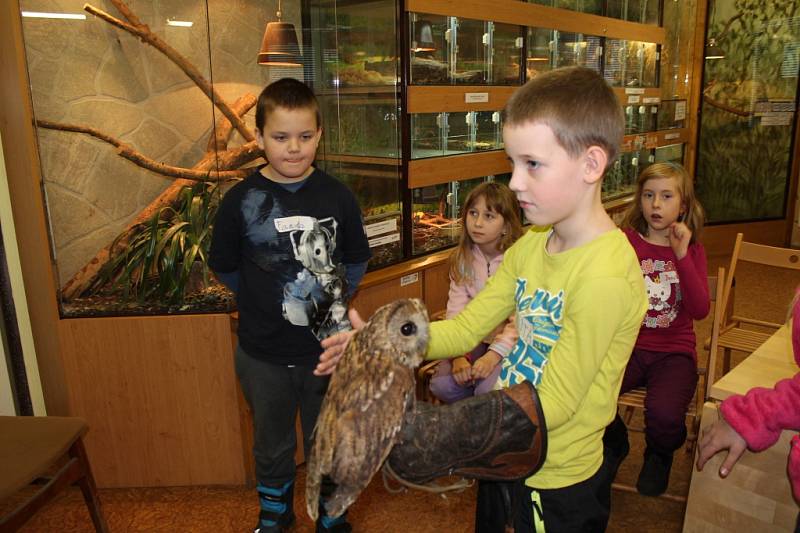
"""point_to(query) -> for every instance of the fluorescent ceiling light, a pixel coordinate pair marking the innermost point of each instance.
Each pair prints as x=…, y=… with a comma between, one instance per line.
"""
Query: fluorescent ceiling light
x=44, y=15
x=180, y=23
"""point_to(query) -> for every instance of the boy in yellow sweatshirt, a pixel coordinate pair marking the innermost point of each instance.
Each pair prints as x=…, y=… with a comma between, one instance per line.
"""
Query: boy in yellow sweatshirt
x=576, y=290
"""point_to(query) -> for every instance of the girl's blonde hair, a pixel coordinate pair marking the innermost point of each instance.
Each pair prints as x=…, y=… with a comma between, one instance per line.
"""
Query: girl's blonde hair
x=693, y=214
x=501, y=200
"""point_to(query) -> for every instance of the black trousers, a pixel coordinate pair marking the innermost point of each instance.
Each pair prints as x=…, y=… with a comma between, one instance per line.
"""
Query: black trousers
x=582, y=507
x=275, y=393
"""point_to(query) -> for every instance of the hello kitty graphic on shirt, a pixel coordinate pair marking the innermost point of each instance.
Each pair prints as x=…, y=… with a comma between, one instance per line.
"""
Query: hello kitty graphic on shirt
x=663, y=293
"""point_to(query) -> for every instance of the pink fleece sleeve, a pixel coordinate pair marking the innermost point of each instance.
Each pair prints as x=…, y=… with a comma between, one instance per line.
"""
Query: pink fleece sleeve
x=760, y=415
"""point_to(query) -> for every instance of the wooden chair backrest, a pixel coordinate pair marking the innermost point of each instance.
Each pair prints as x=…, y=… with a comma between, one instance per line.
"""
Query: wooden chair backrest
x=760, y=254
x=716, y=324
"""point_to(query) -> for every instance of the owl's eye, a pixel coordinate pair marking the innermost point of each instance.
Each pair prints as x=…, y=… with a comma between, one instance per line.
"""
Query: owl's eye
x=409, y=328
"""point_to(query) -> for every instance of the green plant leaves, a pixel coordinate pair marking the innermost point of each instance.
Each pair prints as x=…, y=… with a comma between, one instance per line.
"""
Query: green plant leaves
x=163, y=254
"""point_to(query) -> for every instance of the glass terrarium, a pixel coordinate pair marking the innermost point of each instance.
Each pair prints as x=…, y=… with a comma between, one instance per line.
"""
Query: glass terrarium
x=361, y=124
x=438, y=134
x=430, y=49
x=642, y=11
x=640, y=118
x=584, y=6
x=620, y=179
x=631, y=63
x=377, y=189
x=459, y=51
x=549, y=49
x=357, y=41
x=672, y=114
x=436, y=210
x=672, y=153
x=489, y=131
x=114, y=223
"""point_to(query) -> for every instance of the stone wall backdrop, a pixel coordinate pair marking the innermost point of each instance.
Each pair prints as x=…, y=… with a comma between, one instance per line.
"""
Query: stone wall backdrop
x=90, y=73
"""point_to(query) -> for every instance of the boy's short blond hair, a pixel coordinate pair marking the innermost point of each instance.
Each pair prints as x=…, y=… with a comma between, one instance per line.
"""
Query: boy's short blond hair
x=577, y=104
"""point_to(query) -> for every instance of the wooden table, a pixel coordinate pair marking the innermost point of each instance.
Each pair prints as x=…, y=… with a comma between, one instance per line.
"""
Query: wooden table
x=756, y=495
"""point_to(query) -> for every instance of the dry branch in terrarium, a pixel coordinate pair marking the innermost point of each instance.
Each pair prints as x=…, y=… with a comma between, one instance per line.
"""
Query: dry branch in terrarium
x=218, y=163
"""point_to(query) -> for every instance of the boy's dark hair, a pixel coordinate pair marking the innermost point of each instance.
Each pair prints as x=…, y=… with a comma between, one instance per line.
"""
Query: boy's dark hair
x=577, y=104
x=288, y=93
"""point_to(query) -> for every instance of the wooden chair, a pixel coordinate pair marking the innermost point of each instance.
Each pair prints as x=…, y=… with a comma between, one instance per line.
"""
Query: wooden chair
x=634, y=399
x=742, y=333
x=30, y=448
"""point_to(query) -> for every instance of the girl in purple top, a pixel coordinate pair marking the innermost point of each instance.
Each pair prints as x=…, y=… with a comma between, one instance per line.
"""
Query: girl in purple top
x=491, y=224
x=662, y=226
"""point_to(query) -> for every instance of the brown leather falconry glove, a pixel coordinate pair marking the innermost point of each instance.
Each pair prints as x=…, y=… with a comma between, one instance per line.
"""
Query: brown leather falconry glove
x=496, y=436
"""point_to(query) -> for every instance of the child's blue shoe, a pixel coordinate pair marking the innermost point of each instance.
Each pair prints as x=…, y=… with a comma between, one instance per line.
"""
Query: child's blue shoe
x=277, y=513
x=326, y=524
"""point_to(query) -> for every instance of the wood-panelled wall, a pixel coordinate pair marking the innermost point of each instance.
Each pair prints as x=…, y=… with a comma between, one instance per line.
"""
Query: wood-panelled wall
x=160, y=397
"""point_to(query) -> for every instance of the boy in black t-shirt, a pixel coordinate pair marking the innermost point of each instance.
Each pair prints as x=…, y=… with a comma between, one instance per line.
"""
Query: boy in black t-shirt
x=289, y=241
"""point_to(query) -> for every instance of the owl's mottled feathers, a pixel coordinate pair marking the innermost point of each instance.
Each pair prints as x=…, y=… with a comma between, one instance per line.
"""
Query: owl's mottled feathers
x=362, y=412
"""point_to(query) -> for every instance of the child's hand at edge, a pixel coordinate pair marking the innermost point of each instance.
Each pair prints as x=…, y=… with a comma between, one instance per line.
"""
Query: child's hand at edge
x=335, y=344
x=721, y=436
x=485, y=364
x=461, y=370
x=679, y=237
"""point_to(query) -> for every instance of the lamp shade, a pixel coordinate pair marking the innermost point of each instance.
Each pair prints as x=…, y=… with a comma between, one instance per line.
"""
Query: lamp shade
x=713, y=51
x=279, y=46
x=423, y=38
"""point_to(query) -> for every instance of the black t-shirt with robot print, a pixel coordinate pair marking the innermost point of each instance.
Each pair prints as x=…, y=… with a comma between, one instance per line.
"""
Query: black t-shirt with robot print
x=290, y=249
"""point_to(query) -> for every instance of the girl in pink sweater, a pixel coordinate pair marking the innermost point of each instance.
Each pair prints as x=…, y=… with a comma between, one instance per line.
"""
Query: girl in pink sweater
x=755, y=420
x=491, y=223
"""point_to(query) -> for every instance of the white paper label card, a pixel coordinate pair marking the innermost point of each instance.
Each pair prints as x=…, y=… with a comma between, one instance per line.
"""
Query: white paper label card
x=386, y=239
x=634, y=99
x=651, y=100
x=378, y=228
x=294, y=223
x=670, y=136
x=476, y=98
x=777, y=119
x=409, y=279
x=680, y=110
x=634, y=90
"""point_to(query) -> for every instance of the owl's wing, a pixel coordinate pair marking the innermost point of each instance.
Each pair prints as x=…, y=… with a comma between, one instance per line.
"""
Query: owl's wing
x=362, y=380
x=366, y=433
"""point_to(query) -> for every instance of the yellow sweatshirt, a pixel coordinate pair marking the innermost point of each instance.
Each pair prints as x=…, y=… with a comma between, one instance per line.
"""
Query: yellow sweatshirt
x=578, y=313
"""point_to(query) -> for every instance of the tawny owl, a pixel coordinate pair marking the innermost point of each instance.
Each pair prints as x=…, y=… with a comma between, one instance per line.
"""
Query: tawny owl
x=362, y=412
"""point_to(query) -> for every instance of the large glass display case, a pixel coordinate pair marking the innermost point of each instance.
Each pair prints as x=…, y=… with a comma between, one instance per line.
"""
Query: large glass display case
x=549, y=49
x=356, y=76
x=461, y=51
x=437, y=210
x=107, y=84
x=440, y=134
x=630, y=63
x=672, y=114
x=355, y=43
x=364, y=124
x=641, y=118
x=377, y=189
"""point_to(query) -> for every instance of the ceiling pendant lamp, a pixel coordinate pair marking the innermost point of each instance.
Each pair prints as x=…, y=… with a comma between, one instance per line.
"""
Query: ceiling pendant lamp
x=423, y=38
x=279, y=46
